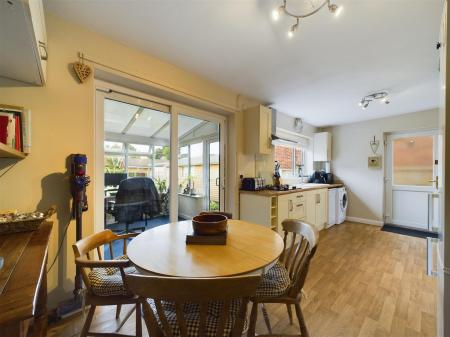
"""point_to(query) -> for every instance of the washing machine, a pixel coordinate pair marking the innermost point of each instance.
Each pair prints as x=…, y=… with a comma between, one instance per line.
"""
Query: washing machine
x=333, y=204
x=342, y=205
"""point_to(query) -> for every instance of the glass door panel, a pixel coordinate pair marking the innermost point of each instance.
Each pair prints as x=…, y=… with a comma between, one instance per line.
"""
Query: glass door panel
x=136, y=165
x=413, y=162
x=214, y=176
x=198, y=166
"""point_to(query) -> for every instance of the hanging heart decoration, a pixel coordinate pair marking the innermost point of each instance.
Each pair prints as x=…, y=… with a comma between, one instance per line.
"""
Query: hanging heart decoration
x=374, y=144
x=82, y=71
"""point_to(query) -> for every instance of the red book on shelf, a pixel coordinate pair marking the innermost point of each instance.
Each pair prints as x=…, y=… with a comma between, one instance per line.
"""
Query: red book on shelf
x=4, y=120
x=17, y=120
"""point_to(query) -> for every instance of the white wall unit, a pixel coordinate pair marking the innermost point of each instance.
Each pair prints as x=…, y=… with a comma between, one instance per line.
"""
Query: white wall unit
x=23, y=41
x=189, y=205
x=322, y=146
x=258, y=130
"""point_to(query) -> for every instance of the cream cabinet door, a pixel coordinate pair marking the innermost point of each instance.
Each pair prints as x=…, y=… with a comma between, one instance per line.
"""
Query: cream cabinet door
x=284, y=210
x=265, y=129
x=258, y=130
x=322, y=146
x=321, y=208
x=298, y=205
x=311, y=207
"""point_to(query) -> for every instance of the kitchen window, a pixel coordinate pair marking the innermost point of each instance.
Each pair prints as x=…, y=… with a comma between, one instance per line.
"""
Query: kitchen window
x=292, y=159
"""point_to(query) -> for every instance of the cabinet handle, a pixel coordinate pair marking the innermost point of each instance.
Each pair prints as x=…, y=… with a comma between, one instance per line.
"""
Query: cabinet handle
x=430, y=271
x=317, y=198
x=300, y=196
x=44, y=47
x=291, y=206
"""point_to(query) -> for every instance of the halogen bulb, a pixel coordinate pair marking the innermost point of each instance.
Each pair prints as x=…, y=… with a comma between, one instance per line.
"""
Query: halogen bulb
x=276, y=14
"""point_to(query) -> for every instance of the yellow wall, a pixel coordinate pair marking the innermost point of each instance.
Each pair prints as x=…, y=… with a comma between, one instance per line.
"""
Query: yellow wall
x=62, y=123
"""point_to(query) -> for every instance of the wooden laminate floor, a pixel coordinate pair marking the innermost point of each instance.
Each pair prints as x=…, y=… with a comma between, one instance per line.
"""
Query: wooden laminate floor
x=362, y=282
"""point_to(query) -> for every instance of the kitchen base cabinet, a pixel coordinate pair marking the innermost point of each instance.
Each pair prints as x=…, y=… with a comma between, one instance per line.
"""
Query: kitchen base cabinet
x=321, y=209
x=261, y=210
x=270, y=209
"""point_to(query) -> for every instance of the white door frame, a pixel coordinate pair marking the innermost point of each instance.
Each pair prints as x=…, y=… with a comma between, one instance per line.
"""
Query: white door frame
x=107, y=90
x=388, y=157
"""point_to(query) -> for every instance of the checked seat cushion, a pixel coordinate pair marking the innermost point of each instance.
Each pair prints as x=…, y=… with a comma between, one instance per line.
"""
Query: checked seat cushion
x=192, y=317
x=108, y=281
x=275, y=282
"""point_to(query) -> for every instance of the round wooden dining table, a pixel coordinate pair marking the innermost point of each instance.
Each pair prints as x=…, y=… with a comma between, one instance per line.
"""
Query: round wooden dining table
x=162, y=250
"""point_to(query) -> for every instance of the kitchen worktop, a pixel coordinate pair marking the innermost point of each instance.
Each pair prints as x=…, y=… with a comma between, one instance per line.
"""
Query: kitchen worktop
x=305, y=187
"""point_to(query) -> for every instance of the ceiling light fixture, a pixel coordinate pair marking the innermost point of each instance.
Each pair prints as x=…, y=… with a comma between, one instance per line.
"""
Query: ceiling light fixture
x=293, y=29
x=277, y=12
x=382, y=96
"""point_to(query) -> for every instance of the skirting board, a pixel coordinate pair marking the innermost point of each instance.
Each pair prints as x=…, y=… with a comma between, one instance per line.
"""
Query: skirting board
x=364, y=221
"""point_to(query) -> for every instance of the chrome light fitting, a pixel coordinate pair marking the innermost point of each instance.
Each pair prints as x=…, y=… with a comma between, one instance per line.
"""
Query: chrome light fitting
x=366, y=100
x=278, y=12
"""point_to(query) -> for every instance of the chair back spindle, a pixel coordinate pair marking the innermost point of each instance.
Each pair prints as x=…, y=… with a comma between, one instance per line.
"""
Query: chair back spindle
x=300, y=240
x=193, y=291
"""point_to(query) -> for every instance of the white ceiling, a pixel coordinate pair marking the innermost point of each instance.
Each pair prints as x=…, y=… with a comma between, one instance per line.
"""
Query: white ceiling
x=319, y=75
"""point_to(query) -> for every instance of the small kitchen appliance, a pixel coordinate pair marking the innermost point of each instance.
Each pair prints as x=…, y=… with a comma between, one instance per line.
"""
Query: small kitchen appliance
x=253, y=184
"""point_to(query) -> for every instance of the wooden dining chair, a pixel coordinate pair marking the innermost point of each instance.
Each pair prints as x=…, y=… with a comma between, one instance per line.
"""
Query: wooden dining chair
x=300, y=241
x=188, y=307
x=105, y=279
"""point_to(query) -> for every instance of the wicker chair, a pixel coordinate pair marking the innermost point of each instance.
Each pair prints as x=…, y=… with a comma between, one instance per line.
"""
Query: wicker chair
x=285, y=280
x=105, y=279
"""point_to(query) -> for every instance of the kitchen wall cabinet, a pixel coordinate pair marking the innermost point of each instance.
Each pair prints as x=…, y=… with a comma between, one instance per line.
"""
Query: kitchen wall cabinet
x=322, y=146
x=24, y=53
x=258, y=130
x=271, y=209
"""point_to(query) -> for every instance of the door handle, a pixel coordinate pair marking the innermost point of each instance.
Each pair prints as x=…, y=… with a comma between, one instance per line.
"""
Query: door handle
x=435, y=181
x=44, y=47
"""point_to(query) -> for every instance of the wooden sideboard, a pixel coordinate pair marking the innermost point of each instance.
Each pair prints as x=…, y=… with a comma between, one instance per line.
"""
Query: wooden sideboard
x=23, y=282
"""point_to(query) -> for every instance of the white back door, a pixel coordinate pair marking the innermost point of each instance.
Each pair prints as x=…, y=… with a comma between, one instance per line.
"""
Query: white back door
x=411, y=173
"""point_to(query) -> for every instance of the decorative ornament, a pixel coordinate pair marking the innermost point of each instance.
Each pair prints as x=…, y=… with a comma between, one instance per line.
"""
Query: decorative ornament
x=81, y=70
x=374, y=144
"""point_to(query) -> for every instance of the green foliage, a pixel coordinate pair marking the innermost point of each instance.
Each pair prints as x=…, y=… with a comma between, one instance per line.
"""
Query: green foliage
x=213, y=206
x=162, y=153
x=114, y=164
x=161, y=185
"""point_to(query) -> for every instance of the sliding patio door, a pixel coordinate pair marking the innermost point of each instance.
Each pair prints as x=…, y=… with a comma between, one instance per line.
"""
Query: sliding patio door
x=199, y=166
x=178, y=148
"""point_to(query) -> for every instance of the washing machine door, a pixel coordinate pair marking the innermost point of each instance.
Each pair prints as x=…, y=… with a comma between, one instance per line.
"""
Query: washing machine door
x=343, y=202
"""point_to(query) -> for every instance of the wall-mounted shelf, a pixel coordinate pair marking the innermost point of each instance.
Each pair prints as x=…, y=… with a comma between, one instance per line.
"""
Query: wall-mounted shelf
x=8, y=152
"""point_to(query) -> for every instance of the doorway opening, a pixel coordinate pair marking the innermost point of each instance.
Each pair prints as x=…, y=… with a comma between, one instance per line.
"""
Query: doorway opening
x=156, y=161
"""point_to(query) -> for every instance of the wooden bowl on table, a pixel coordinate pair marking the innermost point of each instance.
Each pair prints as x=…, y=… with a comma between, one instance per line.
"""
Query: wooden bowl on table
x=209, y=224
